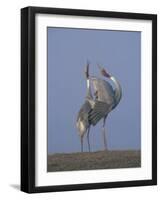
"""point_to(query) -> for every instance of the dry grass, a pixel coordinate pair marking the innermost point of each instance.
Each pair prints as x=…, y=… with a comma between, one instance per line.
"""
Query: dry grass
x=94, y=160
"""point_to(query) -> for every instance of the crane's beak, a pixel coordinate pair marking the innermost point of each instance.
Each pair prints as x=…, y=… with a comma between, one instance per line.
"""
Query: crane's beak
x=103, y=71
x=87, y=70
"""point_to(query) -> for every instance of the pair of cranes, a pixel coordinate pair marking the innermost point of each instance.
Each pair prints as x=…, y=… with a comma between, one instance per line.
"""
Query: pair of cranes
x=98, y=105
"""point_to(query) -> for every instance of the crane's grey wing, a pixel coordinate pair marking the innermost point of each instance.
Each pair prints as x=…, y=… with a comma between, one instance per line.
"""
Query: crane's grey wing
x=83, y=112
x=82, y=122
x=104, y=90
x=100, y=110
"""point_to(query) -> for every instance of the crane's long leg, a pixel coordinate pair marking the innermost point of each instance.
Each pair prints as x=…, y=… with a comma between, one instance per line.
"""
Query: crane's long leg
x=88, y=139
x=104, y=133
x=81, y=143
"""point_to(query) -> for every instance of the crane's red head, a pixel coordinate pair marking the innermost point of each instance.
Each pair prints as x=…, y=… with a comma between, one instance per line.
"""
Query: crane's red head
x=103, y=71
x=87, y=70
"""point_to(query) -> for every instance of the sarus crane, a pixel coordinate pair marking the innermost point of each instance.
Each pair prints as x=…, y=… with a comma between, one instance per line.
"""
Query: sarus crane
x=106, y=98
x=83, y=124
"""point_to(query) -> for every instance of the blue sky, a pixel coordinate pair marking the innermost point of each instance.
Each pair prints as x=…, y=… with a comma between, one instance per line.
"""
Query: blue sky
x=68, y=50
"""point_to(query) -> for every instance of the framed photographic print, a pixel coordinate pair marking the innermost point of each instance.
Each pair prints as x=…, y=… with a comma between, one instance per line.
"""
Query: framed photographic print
x=88, y=99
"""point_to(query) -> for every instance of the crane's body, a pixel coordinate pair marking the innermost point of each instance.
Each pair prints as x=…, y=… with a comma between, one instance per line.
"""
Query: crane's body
x=104, y=90
x=95, y=109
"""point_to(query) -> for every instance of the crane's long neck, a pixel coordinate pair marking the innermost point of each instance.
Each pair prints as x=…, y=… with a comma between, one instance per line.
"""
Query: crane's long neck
x=89, y=92
x=118, y=90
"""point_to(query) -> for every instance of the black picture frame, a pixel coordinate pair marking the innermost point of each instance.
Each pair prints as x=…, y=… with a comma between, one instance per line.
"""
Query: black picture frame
x=28, y=98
